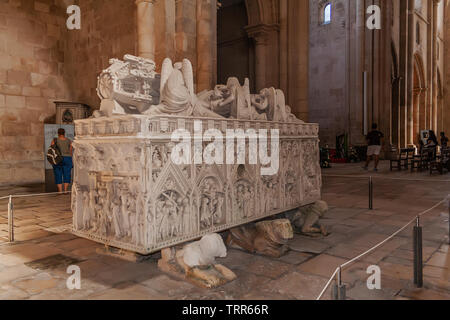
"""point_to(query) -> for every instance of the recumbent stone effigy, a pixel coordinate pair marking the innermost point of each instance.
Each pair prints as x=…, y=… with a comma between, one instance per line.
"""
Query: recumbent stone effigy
x=129, y=194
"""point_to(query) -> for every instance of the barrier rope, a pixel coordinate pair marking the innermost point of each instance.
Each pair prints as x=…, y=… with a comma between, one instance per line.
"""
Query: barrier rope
x=35, y=195
x=378, y=245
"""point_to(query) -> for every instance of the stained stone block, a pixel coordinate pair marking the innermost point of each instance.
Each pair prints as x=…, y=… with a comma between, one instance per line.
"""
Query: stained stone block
x=129, y=194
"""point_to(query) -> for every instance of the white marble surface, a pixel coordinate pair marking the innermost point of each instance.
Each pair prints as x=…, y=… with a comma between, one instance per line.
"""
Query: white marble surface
x=129, y=194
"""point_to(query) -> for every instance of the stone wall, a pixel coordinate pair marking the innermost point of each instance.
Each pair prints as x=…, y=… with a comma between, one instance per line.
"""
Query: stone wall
x=108, y=30
x=328, y=67
x=41, y=61
x=32, y=74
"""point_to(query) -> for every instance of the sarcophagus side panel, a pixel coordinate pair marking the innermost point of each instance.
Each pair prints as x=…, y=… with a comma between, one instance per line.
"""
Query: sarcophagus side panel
x=129, y=194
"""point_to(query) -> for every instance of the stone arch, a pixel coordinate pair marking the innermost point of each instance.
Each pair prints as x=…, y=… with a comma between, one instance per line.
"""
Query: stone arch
x=262, y=12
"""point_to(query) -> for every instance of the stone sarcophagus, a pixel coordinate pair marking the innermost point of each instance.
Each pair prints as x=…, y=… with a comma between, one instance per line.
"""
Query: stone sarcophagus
x=130, y=191
x=129, y=194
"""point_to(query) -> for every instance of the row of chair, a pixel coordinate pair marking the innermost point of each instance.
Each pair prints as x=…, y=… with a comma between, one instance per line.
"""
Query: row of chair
x=427, y=159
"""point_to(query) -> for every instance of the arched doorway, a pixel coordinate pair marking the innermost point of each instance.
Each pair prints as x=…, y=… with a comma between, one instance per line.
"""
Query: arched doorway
x=234, y=48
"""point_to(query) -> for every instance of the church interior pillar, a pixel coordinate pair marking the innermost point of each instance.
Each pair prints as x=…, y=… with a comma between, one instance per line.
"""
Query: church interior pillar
x=206, y=44
x=146, y=28
x=260, y=36
x=410, y=72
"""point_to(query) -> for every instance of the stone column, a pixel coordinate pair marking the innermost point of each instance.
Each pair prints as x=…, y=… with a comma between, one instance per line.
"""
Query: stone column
x=260, y=35
x=146, y=28
x=417, y=113
x=206, y=44
x=434, y=92
x=410, y=72
x=446, y=71
x=297, y=54
x=403, y=73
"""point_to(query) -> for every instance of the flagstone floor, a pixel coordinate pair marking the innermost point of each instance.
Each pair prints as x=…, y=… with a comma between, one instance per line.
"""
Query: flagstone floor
x=35, y=266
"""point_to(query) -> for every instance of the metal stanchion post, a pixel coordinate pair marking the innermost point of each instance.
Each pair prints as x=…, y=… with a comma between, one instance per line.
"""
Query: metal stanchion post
x=371, y=193
x=449, y=220
x=339, y=290
x=418, y=255
x=10, y=220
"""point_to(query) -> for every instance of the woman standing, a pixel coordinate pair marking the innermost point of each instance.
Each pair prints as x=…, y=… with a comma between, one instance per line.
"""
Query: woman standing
x=63, y=171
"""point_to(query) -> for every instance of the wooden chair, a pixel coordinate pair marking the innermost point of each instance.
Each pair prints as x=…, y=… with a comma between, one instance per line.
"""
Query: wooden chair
x=403, y=159
x=420, y=161
x=441, y=162
x=437, y=165
x=409, y=157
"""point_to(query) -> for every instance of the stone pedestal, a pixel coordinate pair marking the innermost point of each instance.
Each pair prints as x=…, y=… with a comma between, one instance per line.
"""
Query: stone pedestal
x=129, y=194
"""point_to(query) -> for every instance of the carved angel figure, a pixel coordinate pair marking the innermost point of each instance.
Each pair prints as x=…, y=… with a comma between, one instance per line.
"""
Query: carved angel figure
x=177, y=92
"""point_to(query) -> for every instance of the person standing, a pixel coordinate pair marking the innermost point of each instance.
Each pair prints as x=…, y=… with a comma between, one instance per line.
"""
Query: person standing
x=375, y=142
x=444, y=140
x=63, y=171
x=431, y=146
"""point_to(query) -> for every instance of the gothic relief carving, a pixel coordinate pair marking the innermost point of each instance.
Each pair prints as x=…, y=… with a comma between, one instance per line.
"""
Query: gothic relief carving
x=212, y=203
x=270, y=193
x=312, y=178
x=245, y=196
x=169, y=214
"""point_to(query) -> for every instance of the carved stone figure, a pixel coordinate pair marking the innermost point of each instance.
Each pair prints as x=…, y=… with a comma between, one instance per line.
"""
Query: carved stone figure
x=86, y=211
x=196, y=262
x=133, y=87
x=177, y=92
x=307, y=219
x=204, y=252
x=221, y=100
x=243, y=108
x=266, y=238
x=211, y=203
x=129, y=86
x=116, y=217
x=244, y=199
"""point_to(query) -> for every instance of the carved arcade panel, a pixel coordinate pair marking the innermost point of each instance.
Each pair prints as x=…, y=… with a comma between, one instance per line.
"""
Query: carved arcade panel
x=129, y=194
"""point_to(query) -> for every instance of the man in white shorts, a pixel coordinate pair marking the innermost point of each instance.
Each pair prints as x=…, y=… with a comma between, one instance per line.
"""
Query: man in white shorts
x=375, y=141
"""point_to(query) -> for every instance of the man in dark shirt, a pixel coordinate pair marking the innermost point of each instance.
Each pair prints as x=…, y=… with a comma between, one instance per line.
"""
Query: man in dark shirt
x=374, y=141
